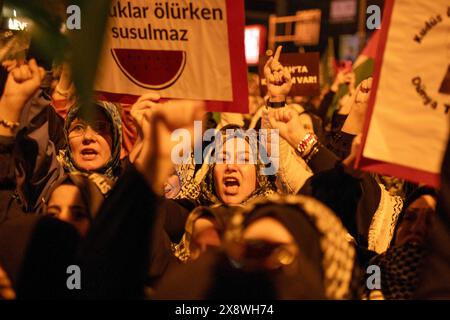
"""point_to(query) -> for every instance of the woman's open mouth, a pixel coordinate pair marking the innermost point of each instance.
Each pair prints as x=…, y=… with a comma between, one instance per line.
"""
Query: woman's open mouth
x=88, y=154
x=231, y=185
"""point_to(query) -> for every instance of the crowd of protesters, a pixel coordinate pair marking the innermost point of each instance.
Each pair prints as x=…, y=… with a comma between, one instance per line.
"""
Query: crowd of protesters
x=96, y=187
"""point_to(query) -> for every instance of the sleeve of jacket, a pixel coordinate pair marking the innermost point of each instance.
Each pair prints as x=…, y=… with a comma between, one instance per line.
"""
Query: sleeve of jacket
x=37, y=144
x=7, y=180
x=292, y=171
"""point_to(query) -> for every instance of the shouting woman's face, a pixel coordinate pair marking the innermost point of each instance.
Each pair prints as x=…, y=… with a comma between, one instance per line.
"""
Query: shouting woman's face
x=91, y=142
x=235, y=177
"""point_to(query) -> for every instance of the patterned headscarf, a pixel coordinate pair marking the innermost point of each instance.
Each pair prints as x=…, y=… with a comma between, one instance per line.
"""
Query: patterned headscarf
x=207, y=193
x=112, y=168
x=400, y=271
x=199, y=187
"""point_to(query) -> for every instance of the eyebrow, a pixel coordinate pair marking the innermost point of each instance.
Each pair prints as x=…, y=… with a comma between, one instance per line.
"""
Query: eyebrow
x=89, y=122
x=239, y=153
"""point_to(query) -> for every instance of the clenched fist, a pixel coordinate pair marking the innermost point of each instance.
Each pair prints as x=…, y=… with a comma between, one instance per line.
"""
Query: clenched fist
x=22, y=82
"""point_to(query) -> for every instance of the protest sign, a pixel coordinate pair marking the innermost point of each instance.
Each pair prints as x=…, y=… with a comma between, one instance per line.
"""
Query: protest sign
x=406, y=128
x=182, y=49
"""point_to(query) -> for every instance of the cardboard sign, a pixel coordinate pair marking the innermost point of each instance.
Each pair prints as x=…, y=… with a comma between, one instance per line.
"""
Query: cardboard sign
x=304, y=69
x=183, y=49
x=406, y=127
x=307, y=28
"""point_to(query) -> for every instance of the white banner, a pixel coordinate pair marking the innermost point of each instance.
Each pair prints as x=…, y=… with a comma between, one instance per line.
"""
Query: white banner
x=409, y=111
x=179, y=48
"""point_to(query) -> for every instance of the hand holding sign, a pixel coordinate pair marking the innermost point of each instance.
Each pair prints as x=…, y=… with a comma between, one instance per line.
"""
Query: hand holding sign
x=142, y=106
x=278, y=78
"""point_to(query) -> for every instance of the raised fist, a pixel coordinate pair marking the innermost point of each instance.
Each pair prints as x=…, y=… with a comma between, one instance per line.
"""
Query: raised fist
x=22, y=82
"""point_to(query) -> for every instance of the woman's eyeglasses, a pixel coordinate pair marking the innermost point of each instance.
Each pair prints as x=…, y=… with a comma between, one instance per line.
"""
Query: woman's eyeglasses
x=80, y=127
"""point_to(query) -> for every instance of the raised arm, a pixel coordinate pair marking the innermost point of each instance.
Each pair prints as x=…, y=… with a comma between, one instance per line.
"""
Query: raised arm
x=31, y=132
x=22, y=83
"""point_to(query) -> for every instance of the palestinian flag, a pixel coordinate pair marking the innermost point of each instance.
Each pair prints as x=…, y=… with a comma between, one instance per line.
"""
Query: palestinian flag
x=363, y=66
x=363, y=69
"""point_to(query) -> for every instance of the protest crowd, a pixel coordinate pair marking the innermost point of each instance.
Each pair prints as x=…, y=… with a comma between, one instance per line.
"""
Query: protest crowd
x=272, y=207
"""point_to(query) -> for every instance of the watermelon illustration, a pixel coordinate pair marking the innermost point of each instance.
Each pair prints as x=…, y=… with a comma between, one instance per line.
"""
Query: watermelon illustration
x=150, y=69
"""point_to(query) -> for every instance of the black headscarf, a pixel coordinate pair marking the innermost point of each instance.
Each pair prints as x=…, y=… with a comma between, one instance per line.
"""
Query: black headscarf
x=416, y=194
x=93, y=189
x=401, y=265
x=35, y=251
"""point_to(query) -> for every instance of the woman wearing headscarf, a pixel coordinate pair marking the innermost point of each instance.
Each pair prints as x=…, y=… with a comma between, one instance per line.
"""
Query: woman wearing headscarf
x=35, y=252
x=77, y=197
x=84, y=155
x=38, y=151
x=402, y=263
x=434, y=282
x=232, y=176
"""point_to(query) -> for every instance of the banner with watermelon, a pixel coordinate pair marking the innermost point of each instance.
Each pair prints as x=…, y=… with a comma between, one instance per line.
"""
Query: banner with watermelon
x=407, y=123
x=182, y=49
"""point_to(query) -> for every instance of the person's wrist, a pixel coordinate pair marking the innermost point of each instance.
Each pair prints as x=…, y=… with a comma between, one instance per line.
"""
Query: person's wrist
x=272, y=104
x=278, y=101
x=277, y=98
x=294, y=137
x=11, y=107
x=308, y=150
